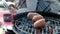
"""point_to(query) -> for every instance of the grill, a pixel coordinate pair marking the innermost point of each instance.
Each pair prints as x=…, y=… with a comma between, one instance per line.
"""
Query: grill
x=24, y=25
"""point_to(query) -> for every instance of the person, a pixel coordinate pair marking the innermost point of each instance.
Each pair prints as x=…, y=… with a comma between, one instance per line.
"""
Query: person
x=25, y=5
x=30, y=5
x=55, y=6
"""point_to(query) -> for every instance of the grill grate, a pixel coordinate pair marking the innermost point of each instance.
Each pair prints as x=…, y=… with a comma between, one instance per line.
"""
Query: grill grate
x=25, y=26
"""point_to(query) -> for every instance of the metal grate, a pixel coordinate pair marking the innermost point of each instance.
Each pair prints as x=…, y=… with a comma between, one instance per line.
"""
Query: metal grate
x=25, y=26
x=55, y=23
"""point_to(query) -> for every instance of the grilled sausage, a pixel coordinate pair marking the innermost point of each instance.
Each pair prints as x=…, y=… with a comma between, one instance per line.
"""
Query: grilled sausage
x=37, y=17
x=30, y=15
x=40, y=23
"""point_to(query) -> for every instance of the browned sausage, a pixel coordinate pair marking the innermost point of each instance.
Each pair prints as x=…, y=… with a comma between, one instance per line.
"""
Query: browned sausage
x=30, y=15
x=40, y=23
x=37, y=17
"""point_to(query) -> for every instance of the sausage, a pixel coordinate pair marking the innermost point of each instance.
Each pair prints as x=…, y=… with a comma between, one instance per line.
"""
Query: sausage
x=30, y=15
x=40, y=23
x=37, y=17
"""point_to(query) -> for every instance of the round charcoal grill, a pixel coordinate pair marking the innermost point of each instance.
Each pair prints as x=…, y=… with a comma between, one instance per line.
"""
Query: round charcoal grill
x=24, y=25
